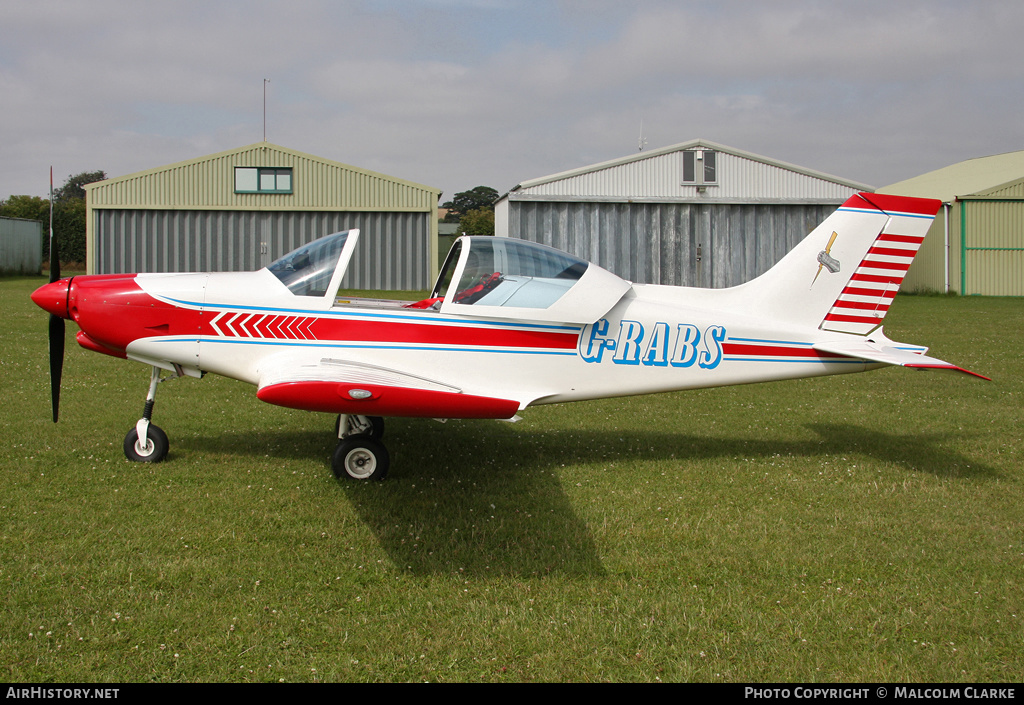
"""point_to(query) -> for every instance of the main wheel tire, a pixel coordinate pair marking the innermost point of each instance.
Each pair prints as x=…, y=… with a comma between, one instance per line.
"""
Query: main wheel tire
x=361, y=458
x=155, y=449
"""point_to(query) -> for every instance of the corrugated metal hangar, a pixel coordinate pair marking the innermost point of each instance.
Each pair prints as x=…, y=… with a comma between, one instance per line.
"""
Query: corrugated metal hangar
x=21, y=250
x=242, y=209
x=976, y=244
x=693, y=214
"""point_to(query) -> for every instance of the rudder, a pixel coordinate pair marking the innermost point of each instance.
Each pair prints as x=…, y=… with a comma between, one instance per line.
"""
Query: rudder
x=864, y=301
x=844, y=275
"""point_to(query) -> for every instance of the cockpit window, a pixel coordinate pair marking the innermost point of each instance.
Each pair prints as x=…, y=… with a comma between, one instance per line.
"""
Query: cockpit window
x=514, y=273
x=507, y=278
x=307, y=271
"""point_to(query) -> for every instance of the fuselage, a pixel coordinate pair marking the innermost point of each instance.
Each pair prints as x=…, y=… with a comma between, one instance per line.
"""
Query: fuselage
x=238, y=324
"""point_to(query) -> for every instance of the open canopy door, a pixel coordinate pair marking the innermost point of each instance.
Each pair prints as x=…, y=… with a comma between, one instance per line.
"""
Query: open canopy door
x=316, y=269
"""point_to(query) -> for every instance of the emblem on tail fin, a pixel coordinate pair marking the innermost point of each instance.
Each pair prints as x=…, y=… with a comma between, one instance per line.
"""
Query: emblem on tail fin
x=825, y=259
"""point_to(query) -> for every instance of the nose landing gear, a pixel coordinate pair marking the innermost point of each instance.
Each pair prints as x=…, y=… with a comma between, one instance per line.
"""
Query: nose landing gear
x=147, y=442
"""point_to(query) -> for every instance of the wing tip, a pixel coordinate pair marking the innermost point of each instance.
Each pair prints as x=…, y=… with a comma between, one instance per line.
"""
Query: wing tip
x=947, y=366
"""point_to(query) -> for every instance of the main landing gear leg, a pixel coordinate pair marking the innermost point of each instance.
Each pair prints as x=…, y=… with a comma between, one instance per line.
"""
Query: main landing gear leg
x=360, y=454
x=147, y=443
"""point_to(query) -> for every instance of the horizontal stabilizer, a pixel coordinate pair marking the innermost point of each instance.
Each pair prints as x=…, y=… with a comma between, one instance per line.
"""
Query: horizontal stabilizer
x=889, y=355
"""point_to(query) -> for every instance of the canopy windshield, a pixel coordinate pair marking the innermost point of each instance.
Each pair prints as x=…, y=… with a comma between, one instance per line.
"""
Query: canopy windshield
x=509, y=278
x=310, y=269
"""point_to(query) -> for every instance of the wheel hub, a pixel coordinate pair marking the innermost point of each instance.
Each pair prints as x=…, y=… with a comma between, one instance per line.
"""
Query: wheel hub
x=360, y=463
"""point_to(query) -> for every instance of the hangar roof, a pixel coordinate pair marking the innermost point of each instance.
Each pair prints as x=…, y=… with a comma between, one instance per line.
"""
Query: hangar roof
x=658, y=175
x=973, y=177
x=212, y=183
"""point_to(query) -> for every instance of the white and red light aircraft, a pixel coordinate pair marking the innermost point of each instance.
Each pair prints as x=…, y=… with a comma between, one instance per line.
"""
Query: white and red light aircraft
x=508, y=325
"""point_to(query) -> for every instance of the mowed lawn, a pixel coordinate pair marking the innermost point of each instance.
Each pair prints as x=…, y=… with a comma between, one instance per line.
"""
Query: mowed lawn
x=852, y=528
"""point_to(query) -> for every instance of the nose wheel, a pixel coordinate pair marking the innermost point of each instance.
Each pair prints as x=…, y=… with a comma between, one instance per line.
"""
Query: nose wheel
x=152, y=450
x=147, y=443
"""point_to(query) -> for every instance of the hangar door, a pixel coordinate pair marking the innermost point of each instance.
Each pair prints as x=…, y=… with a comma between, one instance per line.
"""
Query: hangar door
x=992, y=247
x=393, y=251
x=711, y=245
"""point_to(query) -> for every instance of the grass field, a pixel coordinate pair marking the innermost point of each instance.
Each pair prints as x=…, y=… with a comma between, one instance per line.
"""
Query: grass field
x=854, y=528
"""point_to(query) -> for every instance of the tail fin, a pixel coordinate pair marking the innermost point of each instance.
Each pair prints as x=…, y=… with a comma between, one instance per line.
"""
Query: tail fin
x=843, y=276
x=864, y=301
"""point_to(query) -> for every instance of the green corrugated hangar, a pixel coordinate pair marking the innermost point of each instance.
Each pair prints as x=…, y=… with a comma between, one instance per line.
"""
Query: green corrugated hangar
x=241, y=209
x=976, y=244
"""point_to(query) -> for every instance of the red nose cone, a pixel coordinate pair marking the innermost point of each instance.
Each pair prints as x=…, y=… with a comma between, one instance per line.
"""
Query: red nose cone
x=53, y=297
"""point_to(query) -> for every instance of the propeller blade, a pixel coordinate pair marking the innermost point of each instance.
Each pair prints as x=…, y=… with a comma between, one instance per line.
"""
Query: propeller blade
x=56, y=333
x=54, y=261
x=56, y=361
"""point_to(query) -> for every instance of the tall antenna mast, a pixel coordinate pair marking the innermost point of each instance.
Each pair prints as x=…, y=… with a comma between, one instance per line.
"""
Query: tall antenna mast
x=265, y=82
x=642, y=142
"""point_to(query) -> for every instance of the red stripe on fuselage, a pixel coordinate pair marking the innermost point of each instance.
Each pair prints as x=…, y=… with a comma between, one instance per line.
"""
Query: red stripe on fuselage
x=773, y=351
x=376, y=330
x=433, y=334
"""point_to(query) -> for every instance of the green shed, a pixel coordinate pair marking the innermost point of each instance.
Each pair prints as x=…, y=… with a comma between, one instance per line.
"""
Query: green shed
x=241, y=209
x=976, y=244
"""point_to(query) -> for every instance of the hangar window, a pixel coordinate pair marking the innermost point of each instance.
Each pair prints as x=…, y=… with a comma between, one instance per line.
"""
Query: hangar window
x=700, y=167
x=262, y=180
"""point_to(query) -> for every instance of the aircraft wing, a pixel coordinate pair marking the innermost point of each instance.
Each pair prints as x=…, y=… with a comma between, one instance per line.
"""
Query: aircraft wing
x=348, y=387
x=889, y=355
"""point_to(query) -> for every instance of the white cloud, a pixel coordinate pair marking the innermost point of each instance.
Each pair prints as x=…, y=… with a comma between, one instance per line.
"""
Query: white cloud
x=457, y=93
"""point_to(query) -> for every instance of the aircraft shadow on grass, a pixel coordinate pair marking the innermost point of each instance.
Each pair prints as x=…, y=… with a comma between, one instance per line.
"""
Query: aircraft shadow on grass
x=490, y=500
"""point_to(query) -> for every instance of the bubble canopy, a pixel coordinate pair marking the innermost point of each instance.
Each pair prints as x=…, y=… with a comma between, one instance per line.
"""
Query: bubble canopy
x=509, y=278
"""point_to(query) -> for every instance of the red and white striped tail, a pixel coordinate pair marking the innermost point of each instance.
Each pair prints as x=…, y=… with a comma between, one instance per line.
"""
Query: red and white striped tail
x=864, y=301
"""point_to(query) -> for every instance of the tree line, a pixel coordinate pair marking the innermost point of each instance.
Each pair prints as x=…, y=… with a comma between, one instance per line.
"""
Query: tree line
x=473, y=210
x=68, y=215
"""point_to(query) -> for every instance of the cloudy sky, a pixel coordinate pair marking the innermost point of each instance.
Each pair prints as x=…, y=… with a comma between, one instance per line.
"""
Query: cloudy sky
x=459, y=93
